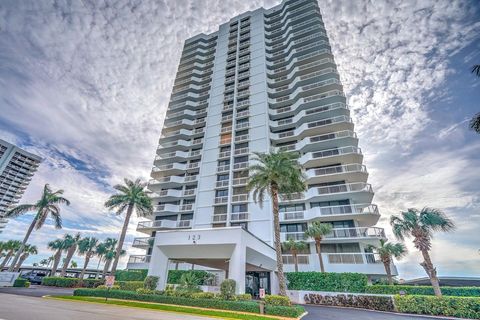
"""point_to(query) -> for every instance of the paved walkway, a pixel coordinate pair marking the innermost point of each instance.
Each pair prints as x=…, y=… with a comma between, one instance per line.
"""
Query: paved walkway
x=16, y=307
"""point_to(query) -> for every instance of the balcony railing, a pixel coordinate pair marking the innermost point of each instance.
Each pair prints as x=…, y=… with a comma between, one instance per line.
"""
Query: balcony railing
x=143, y=242
x=240, y=216
x=216, y=218
x=240, y=197
x=353, y=258
x=139, y=259
x=221, y=199
x=239, y=181
x=301, y=259
x=348, y=187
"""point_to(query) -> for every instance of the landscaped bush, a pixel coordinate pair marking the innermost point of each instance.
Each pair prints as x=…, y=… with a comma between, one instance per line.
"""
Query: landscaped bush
x=114, y=287
x=327, y=281
x=227, y=289
x=202, y=276
x=92, y=283
x=21, y=283
x=61, y=282
x=425, y=290
x=148, y=291
x=203, y=295
x=243, y=306
x=150, y=282
x=461, y=307
x=129, y=285
x=283, y=311
x=243, y=297
x=131, y=275
x=382, y=303
x=277, y=300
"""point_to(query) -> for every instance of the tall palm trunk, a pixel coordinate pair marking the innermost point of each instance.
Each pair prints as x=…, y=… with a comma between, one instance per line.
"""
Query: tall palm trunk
x=319, y=252
x=386, y=263
x=122, y=238
x=106, y=267
x=56, y=262
x=22, y=247
x=85, y=265
x=278, y=244
x=6, y=259
x=70, y=254
x=431, y=272
x=295, y=259
x=98, y=267
x=21, y=261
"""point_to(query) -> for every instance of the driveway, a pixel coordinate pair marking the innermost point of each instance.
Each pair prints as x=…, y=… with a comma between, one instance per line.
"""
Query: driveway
x=332, y=313
x=37, y=291
x=17, y=307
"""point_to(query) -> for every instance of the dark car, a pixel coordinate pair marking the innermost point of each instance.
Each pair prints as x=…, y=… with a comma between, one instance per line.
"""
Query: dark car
x=34, y=277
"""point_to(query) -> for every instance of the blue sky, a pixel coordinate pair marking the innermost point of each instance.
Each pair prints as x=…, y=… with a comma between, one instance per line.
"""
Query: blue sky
x=85, y=85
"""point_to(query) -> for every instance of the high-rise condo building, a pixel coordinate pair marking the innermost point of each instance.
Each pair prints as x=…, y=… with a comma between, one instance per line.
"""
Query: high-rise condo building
x=17, y=167
x=266, y=80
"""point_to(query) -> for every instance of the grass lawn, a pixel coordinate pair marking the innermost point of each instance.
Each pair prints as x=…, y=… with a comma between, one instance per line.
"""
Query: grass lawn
x=171, y=308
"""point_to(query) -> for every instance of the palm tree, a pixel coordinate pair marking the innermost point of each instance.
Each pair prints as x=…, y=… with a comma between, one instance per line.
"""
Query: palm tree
x=294, y=247
x=10, y=247
x=475, y=123
x=476, y=69
x=70, y=246
x=421, y=225
x=47, y=205
x=73, y=264
x=132, y=197
x=277, y=173
x=317, y=231
x=110, y=254
x=44, y=262
x=387, y=251
x=100, y=251
x=86, y=246
x=57, y=246
x=27, y=251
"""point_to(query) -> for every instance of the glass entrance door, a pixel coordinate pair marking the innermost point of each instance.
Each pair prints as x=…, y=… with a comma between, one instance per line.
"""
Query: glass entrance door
x=254, y=281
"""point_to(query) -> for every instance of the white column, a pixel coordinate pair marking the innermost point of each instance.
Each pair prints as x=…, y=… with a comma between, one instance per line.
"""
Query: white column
x=274, y=287
x=236, y=267
x=159, y=267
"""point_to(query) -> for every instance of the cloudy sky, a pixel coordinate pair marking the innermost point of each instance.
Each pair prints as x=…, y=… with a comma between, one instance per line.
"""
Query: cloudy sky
x=85, y=85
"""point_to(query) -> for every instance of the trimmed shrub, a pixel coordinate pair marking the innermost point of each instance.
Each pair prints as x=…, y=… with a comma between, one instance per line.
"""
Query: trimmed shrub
x=129, y=285
x=203, y=295
x=114, y=287
x=131, y=275
x=148, y=291
x=92, y=283
x=327, y=281
x=202, y=276
x=243, y=297
x=61, y=282
x=382, y=303
x=150, y=282
x=424, y=290
x=461, y=307
x=227, y=289
x=21, y=283
x=283, y=311
x=243, y=306
x=275, y=300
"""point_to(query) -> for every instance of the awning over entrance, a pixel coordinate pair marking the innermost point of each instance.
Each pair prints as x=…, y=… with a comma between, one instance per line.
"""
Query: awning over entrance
x=231, y=249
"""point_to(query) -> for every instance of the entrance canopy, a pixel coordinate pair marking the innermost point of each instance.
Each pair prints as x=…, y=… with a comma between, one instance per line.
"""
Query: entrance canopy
x=231, y=249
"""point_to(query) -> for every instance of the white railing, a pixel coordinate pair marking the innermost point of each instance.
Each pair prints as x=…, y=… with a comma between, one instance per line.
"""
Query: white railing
x=184, y=223
x=241, y=151
x=142, y=242
x=301, y=259
x=224, y=154
x=240, y=197
x=337, y=169
x=223, y=168
x=221, y=199
x=353, y=258
x=139, y=259
x=348, y=187
x=220, y=184
x=186, y=207
x=189, y=192
x=240, y=165
x=219, y=218
x=240, y=216
x=239, y=181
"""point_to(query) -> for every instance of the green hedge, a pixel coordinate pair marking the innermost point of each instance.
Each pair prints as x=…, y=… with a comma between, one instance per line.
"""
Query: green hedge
x=175, y=275
x=129, y=285
x=461, y=307
x=382, y=303
x=131, y=275
x=327, y=281
x=71, y=282
x=21, y=283
x=243, y=306
x=425, y=290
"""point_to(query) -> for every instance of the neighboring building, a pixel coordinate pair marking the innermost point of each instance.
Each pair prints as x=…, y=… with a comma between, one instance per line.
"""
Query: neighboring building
x=445, y=281
x=17, y=167
x=265, y=80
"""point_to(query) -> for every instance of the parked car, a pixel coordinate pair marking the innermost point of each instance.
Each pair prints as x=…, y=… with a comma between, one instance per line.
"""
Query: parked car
x=35, y=277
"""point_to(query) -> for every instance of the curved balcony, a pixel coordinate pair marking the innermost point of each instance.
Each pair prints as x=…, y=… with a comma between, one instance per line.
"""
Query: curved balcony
x=143, y=242
x=365, y=214
x=178, y=145
x=340, y=123
x=138, y=262
x=322, y=142
x=169, y=169
x=271, y=28
x=302, y=62
x=328, y=98
x=305, y=91
x=170, y=182
x=150, y=226
x=172, y=194
x=340, y=235
x=326, y=157
x=353, y=172
x=357, y=192
x=184, y=123
x=176, y=156
x=186, y=114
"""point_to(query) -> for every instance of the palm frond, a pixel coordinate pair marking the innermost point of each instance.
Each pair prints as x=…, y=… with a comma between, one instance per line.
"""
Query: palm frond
x=20, y=210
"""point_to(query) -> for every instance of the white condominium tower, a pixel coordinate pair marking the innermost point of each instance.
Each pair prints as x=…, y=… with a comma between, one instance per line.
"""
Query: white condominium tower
x=266, y=80
x=17, y=167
